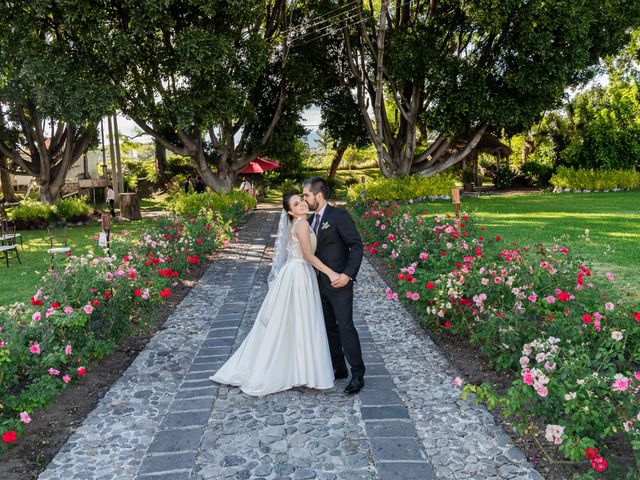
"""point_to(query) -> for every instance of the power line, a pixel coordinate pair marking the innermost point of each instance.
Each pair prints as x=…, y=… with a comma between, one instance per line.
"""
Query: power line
x=348, y=8
x=317, y=34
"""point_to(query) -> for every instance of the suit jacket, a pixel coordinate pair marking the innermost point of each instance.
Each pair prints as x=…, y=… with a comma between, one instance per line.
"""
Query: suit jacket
x=339, y=244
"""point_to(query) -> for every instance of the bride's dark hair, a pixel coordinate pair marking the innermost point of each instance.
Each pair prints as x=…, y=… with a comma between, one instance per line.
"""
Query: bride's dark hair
x=286, y=203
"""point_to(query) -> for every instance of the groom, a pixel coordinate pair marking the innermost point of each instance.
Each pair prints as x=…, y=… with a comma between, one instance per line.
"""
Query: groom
x=339, y=248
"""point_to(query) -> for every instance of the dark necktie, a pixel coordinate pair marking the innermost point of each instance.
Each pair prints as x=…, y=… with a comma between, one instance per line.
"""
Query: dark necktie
x=316, y=223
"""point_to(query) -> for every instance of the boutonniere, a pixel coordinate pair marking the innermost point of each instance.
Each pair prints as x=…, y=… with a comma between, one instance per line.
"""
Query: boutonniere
x=325, y=225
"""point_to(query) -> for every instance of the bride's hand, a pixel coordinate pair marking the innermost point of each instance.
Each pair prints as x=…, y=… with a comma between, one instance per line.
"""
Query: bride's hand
x=333, y=276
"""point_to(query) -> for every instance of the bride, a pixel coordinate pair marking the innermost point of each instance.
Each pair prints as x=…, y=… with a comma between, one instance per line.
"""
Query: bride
x=287, y=345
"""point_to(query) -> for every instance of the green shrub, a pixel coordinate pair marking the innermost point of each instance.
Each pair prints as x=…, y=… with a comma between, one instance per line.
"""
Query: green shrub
x=586, y=179
x=73, y=209
x=230, y=205
x=32, y=214
x=537, y=173
x=404, y=188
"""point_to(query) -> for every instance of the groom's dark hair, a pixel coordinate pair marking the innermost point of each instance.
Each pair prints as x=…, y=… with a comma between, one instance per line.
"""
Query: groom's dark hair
x=317, y=185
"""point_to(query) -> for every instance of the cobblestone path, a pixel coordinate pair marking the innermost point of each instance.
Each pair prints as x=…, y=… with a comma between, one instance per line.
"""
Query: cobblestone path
x=164, y=420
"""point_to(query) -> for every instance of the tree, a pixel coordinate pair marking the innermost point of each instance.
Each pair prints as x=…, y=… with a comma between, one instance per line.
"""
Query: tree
x=463, y=68
x=51, y=96
x=209, y=80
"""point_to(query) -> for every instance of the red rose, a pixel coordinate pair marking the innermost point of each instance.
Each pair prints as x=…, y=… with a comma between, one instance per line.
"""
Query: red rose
x=137, y=292
x=125, y=259
x=563, y=296
x=599, y=464
x=9, y=436
x=497, y=238
x=55, y=305
x=443, y=254
x=447, y=324
x=107, y=295
x=586, y=318
x=82, y=371
x=401, y=276
x=68, y=254
x=431, y=285
x=166, y=293
x=198, y=241
x=132, y=274
x=637, y=316
x=409, y=278
x=591, y=453
x=36, y=302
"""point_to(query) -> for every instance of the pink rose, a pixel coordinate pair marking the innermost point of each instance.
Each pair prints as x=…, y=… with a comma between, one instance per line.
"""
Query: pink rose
x=457, y=382
x=68, y=309
x=67, y=349
x=66, y=379
x=533, y=297
x=415, y=296
x=53, y=371
x=24, y=417
x=484, y=281
x=424, y=256
x=620, y=385
x=551, y=299
x=36, y=317
x=35, y=348
x=609, y=306
x=541, y=390
x=88, y=309
x=527, y=378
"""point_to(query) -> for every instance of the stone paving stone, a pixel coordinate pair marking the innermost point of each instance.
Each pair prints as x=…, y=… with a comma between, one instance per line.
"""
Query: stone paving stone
x=387, y=412
x=176, y=440
x=379, y=397
x=406, y=471
x=167, y=462
x=390, y=428
x=397, y=448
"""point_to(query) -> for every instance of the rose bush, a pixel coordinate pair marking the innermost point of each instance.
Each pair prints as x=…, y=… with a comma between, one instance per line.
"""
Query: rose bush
x=571, y=339
x=81, y=313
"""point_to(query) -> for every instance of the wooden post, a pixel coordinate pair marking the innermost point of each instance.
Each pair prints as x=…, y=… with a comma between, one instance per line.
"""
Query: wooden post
x=455, y=198
x=106, y=228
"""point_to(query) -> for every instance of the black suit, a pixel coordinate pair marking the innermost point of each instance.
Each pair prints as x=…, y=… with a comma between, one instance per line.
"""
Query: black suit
x=340, y=248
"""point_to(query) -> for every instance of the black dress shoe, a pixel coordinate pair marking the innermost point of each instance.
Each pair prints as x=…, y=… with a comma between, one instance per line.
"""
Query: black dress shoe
x=340, y=374
x=355, y=385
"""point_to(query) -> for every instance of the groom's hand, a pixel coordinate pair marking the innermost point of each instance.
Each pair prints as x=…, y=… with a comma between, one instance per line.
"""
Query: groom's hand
x=341, y=281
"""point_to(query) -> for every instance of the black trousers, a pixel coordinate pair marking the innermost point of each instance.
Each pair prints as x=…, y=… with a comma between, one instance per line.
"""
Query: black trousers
x=337, y=307
x=113, y=213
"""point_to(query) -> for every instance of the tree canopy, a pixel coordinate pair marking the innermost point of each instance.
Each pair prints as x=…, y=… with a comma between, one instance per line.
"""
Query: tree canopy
x=451, y=70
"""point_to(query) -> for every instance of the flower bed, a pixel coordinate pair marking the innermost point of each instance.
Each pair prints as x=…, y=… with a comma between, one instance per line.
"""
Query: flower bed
x=571, y=339
x=81, y=313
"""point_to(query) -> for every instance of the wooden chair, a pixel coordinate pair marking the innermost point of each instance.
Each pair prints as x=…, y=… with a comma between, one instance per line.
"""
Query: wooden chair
x=8, y=233
x=58, y=241
x=9, y=243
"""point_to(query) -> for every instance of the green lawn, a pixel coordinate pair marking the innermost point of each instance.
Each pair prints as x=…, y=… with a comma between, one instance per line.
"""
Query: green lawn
x=20, y=281
x=612, y=221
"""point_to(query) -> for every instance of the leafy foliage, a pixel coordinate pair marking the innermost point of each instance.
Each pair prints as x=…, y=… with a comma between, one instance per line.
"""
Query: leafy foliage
x=404, y=188
x=588, y=179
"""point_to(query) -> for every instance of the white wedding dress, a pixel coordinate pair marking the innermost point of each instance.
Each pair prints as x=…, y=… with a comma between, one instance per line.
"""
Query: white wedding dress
x=287, y=345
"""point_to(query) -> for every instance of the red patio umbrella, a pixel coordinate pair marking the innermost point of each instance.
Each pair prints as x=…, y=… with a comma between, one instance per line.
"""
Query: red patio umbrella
x=260, y=165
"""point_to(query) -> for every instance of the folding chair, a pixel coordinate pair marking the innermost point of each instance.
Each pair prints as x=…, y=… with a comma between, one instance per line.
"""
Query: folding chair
x=8, y=232
x=59, y=243
x=9, y=242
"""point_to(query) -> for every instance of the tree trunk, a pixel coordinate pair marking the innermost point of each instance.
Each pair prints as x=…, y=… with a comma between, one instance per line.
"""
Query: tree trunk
x=129, y=206
x=48, y=193
x=161, y=162
x=5, y=179
x=335, y=163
